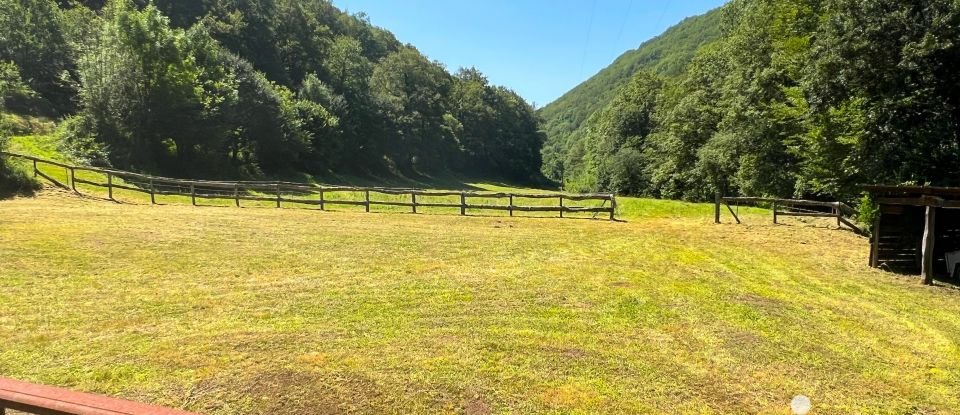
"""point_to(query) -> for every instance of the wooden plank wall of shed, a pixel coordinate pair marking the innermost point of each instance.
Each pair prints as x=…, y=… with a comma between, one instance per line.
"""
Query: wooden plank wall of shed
x=901, y=238
x=900, y=234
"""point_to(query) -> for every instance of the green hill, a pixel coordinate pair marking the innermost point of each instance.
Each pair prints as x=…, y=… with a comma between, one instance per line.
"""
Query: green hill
x=258, y=88
x=778, y=98
x=667, y=54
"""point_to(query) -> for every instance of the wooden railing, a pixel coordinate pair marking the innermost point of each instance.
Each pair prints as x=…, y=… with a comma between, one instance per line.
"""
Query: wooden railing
x=47, y=400
x=307, y=194
x=791, y=207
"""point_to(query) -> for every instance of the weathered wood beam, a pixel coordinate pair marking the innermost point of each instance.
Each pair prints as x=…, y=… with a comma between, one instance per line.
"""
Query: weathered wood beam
x=929, y=234
x=784, y=202
x=875, y=243
x=912, y=201
x=716, y=208
x=735, y=217
x=811, y=214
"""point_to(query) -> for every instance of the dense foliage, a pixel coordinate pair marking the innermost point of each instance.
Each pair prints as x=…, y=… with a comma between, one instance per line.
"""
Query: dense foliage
x=798, y=97
x=227, y=87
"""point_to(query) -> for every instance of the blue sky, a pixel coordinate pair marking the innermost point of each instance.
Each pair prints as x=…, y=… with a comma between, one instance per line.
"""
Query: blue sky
x=539, y=48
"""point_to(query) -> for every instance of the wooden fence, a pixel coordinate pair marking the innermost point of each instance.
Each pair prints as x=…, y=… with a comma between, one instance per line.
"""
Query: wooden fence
x=306, y=194
x=791, y=207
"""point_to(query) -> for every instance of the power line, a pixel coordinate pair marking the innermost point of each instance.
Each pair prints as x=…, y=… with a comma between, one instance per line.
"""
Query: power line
x=666, y=5
x=623, y=25
x=586, y=43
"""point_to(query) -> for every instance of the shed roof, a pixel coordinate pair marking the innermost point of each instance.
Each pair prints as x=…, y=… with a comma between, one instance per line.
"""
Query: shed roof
x=914, y=191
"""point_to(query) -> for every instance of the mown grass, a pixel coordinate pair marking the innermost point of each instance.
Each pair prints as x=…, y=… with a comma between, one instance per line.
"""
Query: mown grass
x=295, y=311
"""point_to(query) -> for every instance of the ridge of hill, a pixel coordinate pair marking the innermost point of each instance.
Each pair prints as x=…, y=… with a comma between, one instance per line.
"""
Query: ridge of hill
x=667, y=54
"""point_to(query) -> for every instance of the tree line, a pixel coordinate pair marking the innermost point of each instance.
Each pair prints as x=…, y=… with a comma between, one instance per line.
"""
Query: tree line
x=807, y=98
x=211, y=88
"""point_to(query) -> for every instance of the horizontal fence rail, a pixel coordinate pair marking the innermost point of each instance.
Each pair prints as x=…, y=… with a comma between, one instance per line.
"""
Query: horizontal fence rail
x=48, y=400
x=792, y=207
x=279, y=192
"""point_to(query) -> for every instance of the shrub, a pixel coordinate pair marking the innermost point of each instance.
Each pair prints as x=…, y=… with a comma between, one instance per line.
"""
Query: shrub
x=13, y=181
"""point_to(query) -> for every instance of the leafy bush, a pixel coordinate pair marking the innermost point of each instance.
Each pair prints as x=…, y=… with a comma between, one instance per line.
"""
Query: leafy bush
x=869, y=211
x=13, y=181
x=78, y=142
x=626, y=172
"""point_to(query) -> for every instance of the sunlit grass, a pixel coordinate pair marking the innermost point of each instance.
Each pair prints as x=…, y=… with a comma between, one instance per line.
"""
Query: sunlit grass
x=296, y=311
x=42, y=146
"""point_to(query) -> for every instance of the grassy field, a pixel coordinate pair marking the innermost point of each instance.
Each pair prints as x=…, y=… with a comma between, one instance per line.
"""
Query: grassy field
x=294, y=311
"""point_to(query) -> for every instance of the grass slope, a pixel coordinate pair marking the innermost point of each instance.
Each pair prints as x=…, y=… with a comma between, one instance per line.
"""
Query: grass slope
x=224, y=310
x=45, y=144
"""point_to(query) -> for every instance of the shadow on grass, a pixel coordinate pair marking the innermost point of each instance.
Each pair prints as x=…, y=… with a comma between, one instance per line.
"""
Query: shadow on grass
x=947, y=282
x=441, y=182
x=16, y=183
x=422, y=180
x=940, y=279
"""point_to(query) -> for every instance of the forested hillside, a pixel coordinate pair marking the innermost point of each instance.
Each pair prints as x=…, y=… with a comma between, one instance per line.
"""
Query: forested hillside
x=798, y=97
x=210, y=88
x=666, y=55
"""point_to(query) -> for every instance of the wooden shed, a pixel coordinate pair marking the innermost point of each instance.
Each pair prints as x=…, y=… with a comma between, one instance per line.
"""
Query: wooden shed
x=915, y=230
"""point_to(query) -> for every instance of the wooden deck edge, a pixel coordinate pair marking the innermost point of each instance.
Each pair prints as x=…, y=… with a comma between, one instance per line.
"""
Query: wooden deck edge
x=50, y=400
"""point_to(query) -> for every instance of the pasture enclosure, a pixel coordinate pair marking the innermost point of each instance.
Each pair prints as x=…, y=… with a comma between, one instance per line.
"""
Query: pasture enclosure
x=790, y=207
x=279, y=192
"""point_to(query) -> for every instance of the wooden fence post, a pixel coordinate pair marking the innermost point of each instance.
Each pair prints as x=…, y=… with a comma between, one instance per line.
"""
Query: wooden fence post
x=73, y=179
x=929, y=234
x=561, y=206
x=153, y=198
x=35, y=171
x=366, y=198
x=463, y=204
x=774, y=211
x=278, y=194
x=413, y=198
x=716, y=207
x=321, y=198
x=193, y=195
x=236, y=194
x=109, y=186
x=613, y=206
x=510, y=207
x=836, y=211
x=875, y=242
